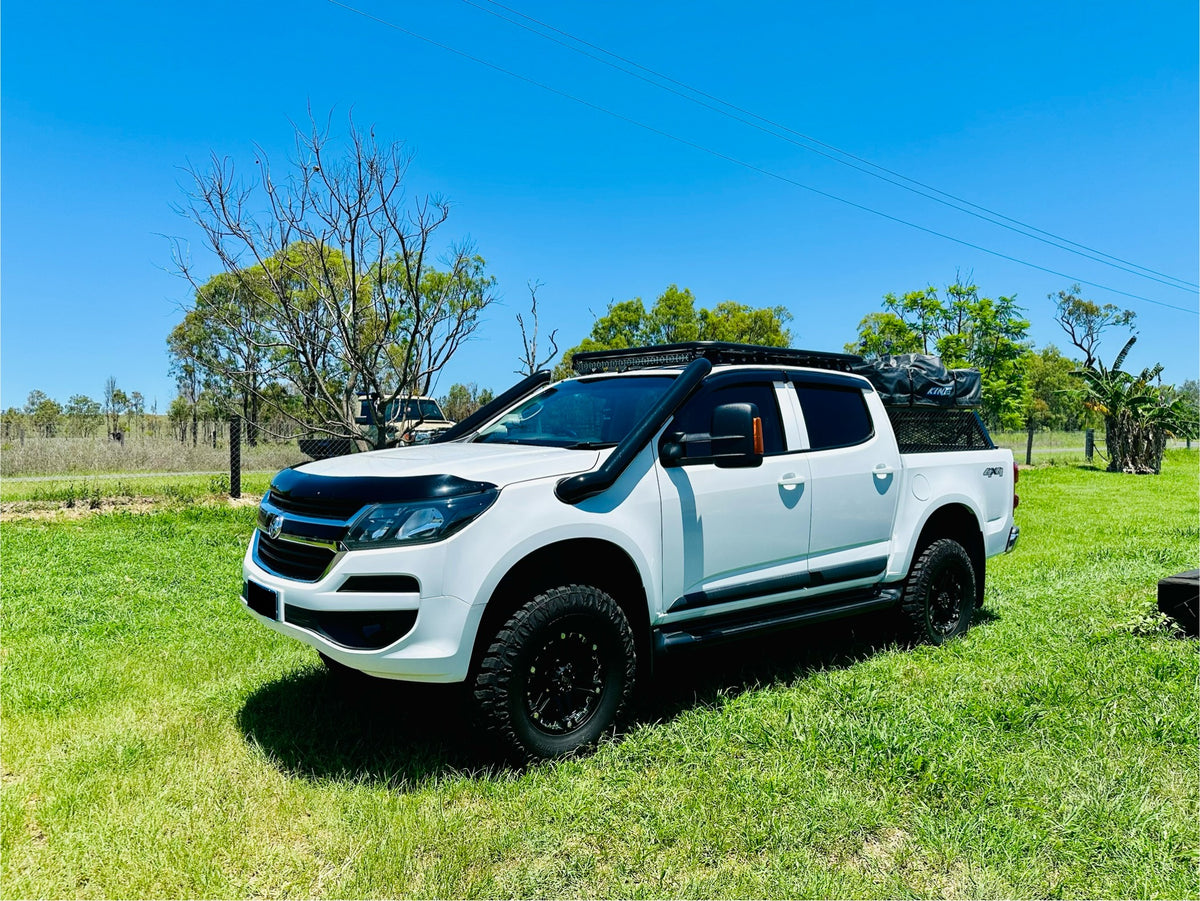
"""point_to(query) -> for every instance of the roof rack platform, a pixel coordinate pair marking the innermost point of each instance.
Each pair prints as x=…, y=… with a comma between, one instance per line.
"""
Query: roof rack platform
x=716, y=352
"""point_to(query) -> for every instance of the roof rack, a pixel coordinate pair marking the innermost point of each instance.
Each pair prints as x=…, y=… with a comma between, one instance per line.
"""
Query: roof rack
x=716, y=352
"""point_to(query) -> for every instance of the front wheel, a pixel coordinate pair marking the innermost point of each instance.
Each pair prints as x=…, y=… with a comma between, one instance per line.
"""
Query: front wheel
x=558, y=674
x=939, y=596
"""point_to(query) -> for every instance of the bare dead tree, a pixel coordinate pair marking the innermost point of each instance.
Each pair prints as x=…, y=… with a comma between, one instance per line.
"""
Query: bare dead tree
x=529, y=338
x=334, y=293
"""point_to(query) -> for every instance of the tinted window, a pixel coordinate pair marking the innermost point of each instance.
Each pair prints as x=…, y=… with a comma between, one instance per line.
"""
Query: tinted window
x=695, y=417
x=579, y=413
x=414, y=409
x=836, y=417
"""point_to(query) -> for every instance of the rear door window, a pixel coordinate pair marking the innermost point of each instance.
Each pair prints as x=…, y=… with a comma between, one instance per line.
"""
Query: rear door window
x=835, y=416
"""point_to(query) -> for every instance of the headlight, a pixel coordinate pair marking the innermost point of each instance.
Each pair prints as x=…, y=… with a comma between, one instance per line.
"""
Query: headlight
x=415, y=522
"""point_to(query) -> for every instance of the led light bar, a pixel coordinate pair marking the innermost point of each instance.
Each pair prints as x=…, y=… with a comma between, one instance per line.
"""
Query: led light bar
x=716, y=352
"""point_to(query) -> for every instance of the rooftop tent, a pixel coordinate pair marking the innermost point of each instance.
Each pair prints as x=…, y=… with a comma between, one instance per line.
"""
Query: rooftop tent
x=920, y=380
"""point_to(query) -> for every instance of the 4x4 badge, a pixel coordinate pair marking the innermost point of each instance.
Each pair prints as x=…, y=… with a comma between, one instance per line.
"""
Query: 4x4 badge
x=989, y=473
x=274, y=525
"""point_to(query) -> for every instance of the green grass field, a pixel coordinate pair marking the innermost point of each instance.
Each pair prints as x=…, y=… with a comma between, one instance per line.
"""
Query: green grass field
x=53, y=493
x=157, y=742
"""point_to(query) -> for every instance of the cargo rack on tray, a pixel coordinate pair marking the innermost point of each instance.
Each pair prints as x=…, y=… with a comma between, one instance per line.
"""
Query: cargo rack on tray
x=716, y=352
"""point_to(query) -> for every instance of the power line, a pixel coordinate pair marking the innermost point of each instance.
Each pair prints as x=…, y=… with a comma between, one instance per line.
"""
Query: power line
x=750, y=166
x=837, y=155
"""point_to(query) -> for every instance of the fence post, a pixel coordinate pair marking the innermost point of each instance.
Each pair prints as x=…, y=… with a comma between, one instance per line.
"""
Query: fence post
x=1029, y=447
x=1089, y=444
x=235, y=455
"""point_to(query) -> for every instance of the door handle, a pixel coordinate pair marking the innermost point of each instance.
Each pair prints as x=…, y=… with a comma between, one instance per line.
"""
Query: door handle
x=790, y=480
x=884, y=470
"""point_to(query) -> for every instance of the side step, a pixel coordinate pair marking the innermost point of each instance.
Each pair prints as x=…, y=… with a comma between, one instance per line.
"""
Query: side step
x=775, y=618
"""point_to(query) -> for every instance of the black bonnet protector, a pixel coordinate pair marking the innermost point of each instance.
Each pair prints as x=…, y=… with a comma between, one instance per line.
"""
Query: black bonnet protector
x=297, y=485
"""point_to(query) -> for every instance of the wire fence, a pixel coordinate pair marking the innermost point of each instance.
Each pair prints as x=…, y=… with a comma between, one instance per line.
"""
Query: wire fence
x=308, y=447
x=318, y=445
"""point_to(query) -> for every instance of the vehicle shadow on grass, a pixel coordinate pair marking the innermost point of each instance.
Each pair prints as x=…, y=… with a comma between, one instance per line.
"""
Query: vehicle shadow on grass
x=706, y=676
x=318, y=725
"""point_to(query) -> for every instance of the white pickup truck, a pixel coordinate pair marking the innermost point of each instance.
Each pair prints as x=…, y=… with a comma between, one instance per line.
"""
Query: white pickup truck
x=545, y=550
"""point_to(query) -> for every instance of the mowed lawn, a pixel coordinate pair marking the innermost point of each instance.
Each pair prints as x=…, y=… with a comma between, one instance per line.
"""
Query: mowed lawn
x=157, y=742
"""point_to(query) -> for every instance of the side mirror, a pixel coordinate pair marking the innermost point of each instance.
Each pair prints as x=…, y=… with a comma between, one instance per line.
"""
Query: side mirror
x=737, y=436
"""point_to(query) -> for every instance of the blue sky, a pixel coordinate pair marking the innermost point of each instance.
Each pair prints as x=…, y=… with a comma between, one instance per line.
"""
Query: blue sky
x=1078, y=118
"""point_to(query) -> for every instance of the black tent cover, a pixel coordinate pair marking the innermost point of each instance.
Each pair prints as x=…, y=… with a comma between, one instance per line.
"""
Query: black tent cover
x=921, y=380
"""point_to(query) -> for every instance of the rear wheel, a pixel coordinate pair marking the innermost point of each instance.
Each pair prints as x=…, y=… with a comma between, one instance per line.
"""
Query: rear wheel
x=558, y=674
x=939, y=595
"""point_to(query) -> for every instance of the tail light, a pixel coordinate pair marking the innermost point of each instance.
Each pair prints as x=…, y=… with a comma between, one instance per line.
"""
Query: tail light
x=1016, y=478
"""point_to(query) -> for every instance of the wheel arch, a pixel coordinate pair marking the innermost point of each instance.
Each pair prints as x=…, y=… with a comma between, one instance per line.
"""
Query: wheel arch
x=960, y=523
x=573, y=561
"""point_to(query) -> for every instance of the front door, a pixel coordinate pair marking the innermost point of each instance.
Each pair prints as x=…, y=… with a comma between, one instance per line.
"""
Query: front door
x=732, y=536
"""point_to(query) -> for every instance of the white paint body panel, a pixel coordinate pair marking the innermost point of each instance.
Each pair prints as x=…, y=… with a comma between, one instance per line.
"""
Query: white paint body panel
x=685, y=529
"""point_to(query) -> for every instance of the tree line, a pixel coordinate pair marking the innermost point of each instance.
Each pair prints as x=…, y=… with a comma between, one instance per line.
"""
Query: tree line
x=1030, y=389
x=336, y=291
x=81, y=416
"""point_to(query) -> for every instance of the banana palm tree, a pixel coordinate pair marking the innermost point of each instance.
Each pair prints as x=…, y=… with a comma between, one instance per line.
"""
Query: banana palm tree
x=1139, y=414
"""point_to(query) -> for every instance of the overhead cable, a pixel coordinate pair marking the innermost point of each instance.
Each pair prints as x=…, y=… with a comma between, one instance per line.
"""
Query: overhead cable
x=836, y=154
x=746, y=165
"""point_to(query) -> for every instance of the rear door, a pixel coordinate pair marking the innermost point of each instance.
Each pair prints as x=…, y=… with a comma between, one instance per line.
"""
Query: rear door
x=854, y=477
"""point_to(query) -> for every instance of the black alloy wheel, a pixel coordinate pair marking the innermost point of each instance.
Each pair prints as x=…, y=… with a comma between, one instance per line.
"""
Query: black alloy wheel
x=565, y=682
x=558, y=674
x=939, y=595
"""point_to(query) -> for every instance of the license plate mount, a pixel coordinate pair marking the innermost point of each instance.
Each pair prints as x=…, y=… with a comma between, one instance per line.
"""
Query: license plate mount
x=262, y=600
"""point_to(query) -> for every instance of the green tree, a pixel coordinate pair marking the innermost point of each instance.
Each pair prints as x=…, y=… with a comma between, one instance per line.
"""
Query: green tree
x=884, y=334
x=674, y=318
x=1055, y=397
x=179, y=414
x=333, y=283
x=1086, y=321
x=34, y=400
x=83, y=414
x=924, y=315
x=1190, y=392
x=463, y=400
x=965, y=330
x=13, y=423
x=46, y=416
x=1139, y=415
x=743, y=324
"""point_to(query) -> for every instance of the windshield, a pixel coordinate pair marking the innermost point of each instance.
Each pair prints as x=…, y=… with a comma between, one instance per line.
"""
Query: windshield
x=581, y=413
x=414, y=410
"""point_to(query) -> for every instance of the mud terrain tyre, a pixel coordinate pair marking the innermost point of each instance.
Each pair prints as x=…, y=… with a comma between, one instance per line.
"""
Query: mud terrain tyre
x=939, y=595
x=558, y=674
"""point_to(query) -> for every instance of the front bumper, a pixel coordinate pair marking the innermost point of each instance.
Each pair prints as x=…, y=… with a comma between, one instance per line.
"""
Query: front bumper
x=434, y=632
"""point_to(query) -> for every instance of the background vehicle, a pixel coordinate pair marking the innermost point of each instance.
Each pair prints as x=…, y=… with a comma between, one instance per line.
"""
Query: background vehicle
x=546, y=549
x=410, y=420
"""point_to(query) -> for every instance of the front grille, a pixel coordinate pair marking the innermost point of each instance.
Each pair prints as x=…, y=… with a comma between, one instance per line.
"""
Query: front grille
x=302, y=562
x=364, y=630
x=320, y=507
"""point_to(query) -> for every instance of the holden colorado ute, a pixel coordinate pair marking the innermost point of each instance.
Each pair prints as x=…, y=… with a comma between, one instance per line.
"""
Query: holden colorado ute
x=548, y=548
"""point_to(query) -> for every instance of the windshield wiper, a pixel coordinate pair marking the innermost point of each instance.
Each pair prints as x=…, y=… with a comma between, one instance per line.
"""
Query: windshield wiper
x=591, y=445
